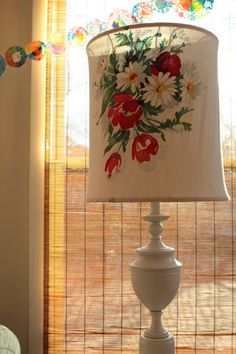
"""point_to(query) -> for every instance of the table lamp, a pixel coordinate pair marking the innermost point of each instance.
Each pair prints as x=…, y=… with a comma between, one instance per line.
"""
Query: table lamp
x=154, y=137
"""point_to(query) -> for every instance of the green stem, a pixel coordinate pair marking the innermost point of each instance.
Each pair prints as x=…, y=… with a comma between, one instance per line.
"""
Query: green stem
x=110, y=73
x=120, y=146
x=136, y=131
x=153, y=120
x=157, y=37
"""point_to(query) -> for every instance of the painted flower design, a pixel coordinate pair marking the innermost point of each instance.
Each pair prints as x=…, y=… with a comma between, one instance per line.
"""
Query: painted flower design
x=102, y=64
x=143, y=147
x=125, y=112
x=140, y=89
x=166, y=63
x=113, y=162
x=160, y=90
x=131, y=77
x=191, y=84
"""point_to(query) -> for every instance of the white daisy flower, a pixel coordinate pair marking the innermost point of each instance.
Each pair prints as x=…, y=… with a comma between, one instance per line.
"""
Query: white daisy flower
x=191, y=85
x=131, y=77
x=160, y=90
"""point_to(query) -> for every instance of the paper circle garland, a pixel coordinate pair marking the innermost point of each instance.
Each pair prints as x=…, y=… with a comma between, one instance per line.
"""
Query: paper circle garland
x=2, y=65
x=193, y=9
x=143, y=11
x=76, y=35
x=15, y=56
x=36, y=50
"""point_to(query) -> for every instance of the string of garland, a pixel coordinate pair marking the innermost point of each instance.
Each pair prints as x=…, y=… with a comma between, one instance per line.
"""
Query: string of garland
x=16, y=56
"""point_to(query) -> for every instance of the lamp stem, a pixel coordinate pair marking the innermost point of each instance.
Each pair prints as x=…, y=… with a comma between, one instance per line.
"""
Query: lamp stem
x=155, y=277
x=155, y=207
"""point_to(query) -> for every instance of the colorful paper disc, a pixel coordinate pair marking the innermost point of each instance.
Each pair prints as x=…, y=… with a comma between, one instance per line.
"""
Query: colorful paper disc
x=121, y=18
x=76, y=35
x=163, y=5
x=36, y=50
x=143, y=11
x=15, y=56
x=193, y=9
x=2, y=65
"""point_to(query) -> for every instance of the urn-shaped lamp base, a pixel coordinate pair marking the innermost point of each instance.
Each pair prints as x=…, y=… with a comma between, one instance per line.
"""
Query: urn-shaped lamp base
x=155, y=277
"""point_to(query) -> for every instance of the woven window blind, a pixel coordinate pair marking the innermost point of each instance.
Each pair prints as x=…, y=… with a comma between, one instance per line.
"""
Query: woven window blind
x=90, y=306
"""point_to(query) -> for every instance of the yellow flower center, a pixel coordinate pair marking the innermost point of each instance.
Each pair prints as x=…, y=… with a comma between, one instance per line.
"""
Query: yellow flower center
x=133, y=76
x=160, y=88
x=190, y=87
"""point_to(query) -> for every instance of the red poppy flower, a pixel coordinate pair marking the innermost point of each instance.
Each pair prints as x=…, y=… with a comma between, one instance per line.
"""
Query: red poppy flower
x=126, y=111
x=143, y=147
x=166, y=62
x=114, y=161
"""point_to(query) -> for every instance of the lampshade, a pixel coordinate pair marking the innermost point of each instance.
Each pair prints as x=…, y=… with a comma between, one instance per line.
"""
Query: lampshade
x=154, y=115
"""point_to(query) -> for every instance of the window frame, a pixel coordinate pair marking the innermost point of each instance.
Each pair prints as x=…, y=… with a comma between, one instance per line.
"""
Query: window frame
x=36, y=186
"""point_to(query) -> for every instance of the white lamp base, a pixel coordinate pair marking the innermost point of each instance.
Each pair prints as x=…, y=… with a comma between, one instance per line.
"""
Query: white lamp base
x=157, y=346
x=155, y=277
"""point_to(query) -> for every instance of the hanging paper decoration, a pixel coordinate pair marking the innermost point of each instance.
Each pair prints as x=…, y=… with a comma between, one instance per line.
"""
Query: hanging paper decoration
x=56, y=48
x=95, y=27
x=15, y=56
x=56, y=44
x=76, y=35
x=2, y=65
x=36, y=50
x=193, y=9
x=121, y=18
x=143, y=11
x=163, y=5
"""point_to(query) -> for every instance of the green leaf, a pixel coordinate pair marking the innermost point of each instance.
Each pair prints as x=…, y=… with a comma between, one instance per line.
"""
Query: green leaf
x=142, y=45
x=139, y=44
x=106, y=101
x=108, y=81
x=163, y=44
x=148, y=42
x=163, y=136
x=130, y=35
x=168, y=124
x=113, y=61
x=146, y=128
x=114, y=139
x=187, y=126
x=183, y=111
x=125, y=140
x=158, y=34
x=152, y=110
x=124, y=39
x=110, y=130
x=178, y=49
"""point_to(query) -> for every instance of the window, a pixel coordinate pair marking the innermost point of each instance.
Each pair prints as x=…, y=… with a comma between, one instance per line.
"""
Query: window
x=90, y=304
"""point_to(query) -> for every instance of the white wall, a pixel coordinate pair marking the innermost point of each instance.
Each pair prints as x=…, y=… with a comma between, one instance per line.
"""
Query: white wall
x=20, y=183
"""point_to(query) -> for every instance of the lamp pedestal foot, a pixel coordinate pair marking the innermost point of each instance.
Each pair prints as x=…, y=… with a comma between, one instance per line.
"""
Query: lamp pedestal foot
x=155, y=276
x=157, y=346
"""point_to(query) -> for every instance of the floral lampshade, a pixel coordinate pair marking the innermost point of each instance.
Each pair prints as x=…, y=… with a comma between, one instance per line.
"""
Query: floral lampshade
x=154, y=115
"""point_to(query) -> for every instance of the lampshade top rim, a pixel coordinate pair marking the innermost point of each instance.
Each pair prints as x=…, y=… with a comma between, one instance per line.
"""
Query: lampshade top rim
x=152, y=24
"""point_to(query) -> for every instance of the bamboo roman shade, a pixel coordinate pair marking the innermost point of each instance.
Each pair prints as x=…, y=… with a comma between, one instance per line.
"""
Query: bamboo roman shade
x=90, y=306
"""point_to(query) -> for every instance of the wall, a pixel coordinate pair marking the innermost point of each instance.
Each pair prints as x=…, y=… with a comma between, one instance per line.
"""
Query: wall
x=16, y=29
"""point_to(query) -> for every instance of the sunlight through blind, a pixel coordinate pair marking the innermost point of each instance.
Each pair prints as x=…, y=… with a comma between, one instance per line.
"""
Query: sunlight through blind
x=90, y=306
